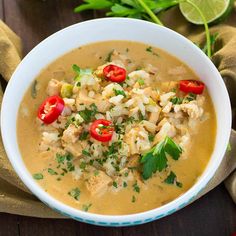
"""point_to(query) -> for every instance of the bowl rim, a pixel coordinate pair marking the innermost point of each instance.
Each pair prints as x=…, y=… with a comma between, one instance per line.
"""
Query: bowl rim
x=113, y=220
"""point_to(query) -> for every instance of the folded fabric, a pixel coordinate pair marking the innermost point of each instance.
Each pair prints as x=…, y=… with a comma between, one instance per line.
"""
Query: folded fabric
x=15, y=198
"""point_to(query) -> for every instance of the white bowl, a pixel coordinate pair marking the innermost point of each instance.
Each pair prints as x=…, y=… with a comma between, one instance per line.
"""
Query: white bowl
x=103, y=30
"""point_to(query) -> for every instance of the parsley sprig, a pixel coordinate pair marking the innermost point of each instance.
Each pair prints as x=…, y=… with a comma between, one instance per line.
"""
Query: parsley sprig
x=156, y=160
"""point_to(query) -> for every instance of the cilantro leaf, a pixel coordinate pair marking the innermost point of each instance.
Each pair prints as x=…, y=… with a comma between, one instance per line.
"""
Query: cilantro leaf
x=52, y=172
x=80, y=72
x=75, y=193
x=84, y=135
x=173, y=149
x=172, y=179
x=119, y=92
x=176, y=100
x=76, y=69
x=88, y=114
x=86, y=207
x=155, y=159
x=38, y=176
x=109, y=56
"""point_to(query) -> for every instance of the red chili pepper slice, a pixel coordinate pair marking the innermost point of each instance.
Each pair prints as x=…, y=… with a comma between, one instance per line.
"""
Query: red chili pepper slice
x=191, y=86
x=50, y=109
x=114, y=73
x=102, y=130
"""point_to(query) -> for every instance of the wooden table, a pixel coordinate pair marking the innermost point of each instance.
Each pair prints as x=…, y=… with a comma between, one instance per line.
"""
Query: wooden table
x=212, y=215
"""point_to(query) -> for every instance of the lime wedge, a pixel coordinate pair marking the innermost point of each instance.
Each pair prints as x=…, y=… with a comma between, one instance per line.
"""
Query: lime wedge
x=213, y=10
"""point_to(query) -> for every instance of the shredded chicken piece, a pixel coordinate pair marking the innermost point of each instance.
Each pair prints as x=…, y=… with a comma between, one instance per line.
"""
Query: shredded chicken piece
x=71, y=134
x=54, y=87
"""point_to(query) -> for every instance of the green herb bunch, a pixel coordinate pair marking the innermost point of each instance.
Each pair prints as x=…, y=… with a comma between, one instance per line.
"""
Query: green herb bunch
x=142, y=9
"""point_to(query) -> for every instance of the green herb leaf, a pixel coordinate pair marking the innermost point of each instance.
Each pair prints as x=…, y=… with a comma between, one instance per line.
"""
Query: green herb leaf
x=70, y=166
x=136, y=188
x=76, y=69
x=109, y=55
x=84, y=135
x=88, y=114
x=86, y=207
x=114, y=184
x=172, y=179
x=93, y=5
x=52, y=172
x=60, y=158
x=191, y=97
x=75, y=193
x=80, y=72
x=82, y=165
x=151, y=137
x=156, y=160
x=133, y=199
x=86, y=153
x=140, y=81
x=176, y=100
x=173, y=149
x=34, y=90
x=38, y=176
x=119, y=92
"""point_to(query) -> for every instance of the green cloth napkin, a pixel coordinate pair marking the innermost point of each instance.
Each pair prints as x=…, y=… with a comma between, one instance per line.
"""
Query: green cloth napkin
x=15, y=198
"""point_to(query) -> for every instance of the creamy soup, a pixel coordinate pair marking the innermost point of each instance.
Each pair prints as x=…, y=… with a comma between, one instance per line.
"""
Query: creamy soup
x=116, y=128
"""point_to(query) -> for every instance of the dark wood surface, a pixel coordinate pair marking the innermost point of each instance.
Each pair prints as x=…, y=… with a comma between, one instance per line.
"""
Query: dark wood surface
x=212, y=215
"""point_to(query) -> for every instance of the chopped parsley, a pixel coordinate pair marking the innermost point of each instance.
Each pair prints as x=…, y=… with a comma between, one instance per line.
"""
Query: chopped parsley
x=130, y=120
x=75, y=193
x=125, y=184
x=141, y=116
x=86, y=207
x=52, y=172
x=114, y=184
x=176, y=100
x=119, y=92
x=60, y=158
x=109, y=55
x=84, y=135
x=150, y=49
x=136, y=188
x=70, y=166
x=88, y=114
x=191, y=97
x=113, y=149
x=151, y=137
x=82, y=165
x=172, y=179
x=119, y=128
x=70, y=120
x=133, y=199
x=34, y=90
x=156, y=160
x=65, y=163
x=126, y=174
x=38, y=176
x=86, y=153
x=140, y=81
x=76, y=69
